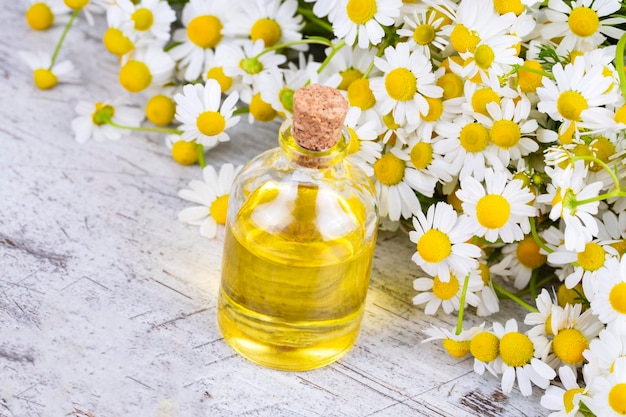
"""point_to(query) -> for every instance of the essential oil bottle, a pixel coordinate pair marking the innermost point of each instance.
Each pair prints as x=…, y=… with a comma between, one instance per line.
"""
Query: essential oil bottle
x=300, y=237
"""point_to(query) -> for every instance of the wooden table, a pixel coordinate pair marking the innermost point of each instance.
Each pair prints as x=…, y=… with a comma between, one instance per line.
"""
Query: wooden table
x=107, y=302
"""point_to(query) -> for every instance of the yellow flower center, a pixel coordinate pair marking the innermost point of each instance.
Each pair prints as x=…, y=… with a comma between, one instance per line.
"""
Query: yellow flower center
x=617, y=398
x=389, y=169
x=620, y=246
x=219, y=209
x=135, y=76
x=355, y=142
x=445, y=290
x=217, y=74
x=485, y=346
x=569, y=295
x=390, y=122
x=435, y=109
x=116, y=42
x=361, y=11
x=260, y=110
x=570, y=104
x=401, y=84
x=516, y=349
x=617, y=297
x=44, y=78
x=482, y=97
x=348, y=76
x=569, y=345
x=360, y=94
x=422, y=155
x=568, y=398
x=474, y=137
x=102, y=114
x=592, y=258
x=529, y=81
x=528, y=253
x=484, y=56
x=603, y=149
x=509, y=6
x=286, y=98
x=434, y=246
x=185, y=153
x=548, y=326
x=456, y=348
x=424, y=34
x=492, y=211
x=160, y=110
x=143, y=19
x=39, y=16
x=583, y=21
x=620, y=115
x=266, y=29
x=211, y=123
x=484, y=272
x=76, y=4
x=566, y=136
x=462, y=39
x=505, y=133
x=451, y=84
x=205, y=31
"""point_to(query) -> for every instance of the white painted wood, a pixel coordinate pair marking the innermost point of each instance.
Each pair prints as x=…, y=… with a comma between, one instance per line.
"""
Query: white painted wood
x=107, y=302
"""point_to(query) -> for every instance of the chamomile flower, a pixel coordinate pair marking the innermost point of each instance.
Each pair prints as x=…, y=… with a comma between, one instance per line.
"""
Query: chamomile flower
x=214, y=69
x=440, y=239
x=519, y=359
x=499, y=209
x=42, y=14
x=203, y=118
x=489, y=303
x=587, y=262
x=582, y=24
x=92, y=120
x=605, y=350
x=613, y=227
x=272, y=21
x=485, y=348
x=564, y=402
x=493, y=56
x=423, y=30
x=542, y=319
x=609, y=392
x=519, y=261
x=203, y=24
x=149, y=20
x=347, y=65
x=435, y=293
x=362, y=21
x=426, y=160
x=323, y=8
x=278, y=87
x=119, y=38
x=363, y=149
x=609, y=302
x=408, y=79
x=88, y=7
x=211, y=195
x=457, y=345
x=509, y=129
x=46, y=76
x=146, y=67
x=569, y=187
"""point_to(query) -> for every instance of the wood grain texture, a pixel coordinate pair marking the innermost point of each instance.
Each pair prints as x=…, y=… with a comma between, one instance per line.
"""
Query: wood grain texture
x=107, y=302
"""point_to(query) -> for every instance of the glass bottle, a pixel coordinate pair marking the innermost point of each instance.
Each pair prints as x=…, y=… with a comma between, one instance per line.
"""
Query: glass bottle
x=300, y=237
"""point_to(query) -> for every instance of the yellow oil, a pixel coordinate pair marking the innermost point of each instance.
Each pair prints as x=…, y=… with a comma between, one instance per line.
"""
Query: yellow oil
x=293, y=287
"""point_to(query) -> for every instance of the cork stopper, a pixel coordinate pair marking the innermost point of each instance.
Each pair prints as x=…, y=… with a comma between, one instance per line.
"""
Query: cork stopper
x=318, y=116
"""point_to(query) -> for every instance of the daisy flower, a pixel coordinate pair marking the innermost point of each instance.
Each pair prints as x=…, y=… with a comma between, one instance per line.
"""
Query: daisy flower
x=119, y=38
x=576, y=94
x=499, y=209
x=347, y=65
x=363, y=149
x=408, y=79
x=609, y=302
x=146, y=67
x=150, y=20
x=425, y=158
x=485, y=348
x=203, y=23
x=568, y=188
x=509, y=129
x=203, y=118
x=92, y=120
x=613, y=227
x=542, y=319
x=489, y=302
x=520, y=259
x=323, y=8
x=440, y=238
x=211, y=195
x=609, y=392
x=493, y=56
x=457, y=345
x=272, y=21
x=362, y=21
x=214, y=69
x=45, y=76
x=435, y=293
x=519, y=359
x=605, y=350
x=582, y=24
x=88, y=7
x=587, y=263
x=423, y=31
x=42, y=14
x=564, y=402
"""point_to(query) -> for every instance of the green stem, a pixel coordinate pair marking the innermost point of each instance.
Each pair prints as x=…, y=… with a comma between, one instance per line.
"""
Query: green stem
x=538, y=240
x=539, y=284
x=310, y=17
x=619, y=63
x=145, y=129
x=602, y=164
x=605, y=196
x=533, y=70
x=312, y=40
x=200, y=150
x=241, y=110
x=62, y=38
x=501, y=291
x=330, y=56
x=459, y=321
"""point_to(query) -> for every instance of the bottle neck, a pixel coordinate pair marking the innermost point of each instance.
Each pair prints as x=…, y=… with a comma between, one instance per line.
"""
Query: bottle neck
x=307, y=158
